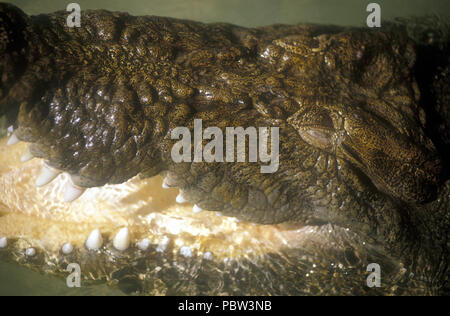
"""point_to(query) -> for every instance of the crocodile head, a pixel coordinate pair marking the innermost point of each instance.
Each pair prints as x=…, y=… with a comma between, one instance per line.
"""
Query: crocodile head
x=361, y=167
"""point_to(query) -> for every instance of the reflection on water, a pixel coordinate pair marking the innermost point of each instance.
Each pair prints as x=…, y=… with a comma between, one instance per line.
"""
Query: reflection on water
x=15, y=280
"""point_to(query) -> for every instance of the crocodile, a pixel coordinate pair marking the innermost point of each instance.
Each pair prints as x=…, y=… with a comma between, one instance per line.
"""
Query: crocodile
x=363, y=122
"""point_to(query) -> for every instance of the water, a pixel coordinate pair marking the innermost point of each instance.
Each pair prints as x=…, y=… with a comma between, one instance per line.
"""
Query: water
x=253, y=12
x=15, y=280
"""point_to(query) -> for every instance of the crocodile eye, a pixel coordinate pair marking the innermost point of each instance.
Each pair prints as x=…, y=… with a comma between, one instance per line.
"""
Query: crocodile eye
x=315, y=126
x=317, y=134
x=318, y=137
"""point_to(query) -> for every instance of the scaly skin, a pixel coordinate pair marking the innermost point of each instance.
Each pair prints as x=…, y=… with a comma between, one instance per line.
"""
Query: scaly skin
x=357, y=148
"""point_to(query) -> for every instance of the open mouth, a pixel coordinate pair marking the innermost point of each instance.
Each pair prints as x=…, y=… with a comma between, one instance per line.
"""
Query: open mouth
x=151, y=212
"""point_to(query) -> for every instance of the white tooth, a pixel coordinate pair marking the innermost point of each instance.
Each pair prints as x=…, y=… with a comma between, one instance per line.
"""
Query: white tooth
x=67, y=248
x=27, y=156
x=208, y=256
x=180, y=199
x=219, y=214
x=10, y=129
x=72, y=192
x=196, y=209
x=3, y=242
x=186, y=252
x=13, y=140
x=95, y=240
x=122, y=240
x=163, y=245
x=30, y=252
x=143, y=244
x=47, y=175
x=165, y=186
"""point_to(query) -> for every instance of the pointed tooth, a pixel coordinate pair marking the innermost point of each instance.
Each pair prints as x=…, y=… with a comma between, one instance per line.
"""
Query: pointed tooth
x=47, y=175
x=143, y=244
x=95, y=240
x=3, y=242
x=27, y=156
x=186, y=252
x=196, y=209
x=180, y=199
x=165, y=186
x=67, y=248
x=122, y=240
x=72, y=192
x=10, y=129
x=163, y=244
x=208, y=256
x=13, y=140
x=30, y=252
